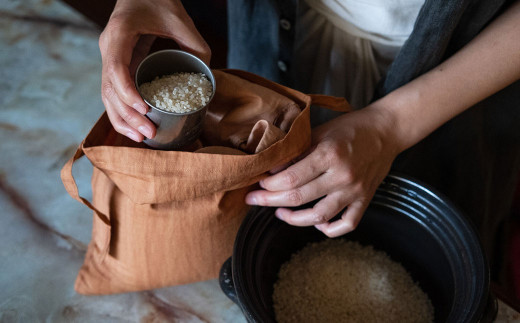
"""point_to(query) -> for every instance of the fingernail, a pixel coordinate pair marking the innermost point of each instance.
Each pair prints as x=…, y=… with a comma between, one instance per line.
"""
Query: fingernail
x=140, y=107
x=146, y=131
x=133, y=136
x=261, y=183
x=278, y=214
x=251, y=200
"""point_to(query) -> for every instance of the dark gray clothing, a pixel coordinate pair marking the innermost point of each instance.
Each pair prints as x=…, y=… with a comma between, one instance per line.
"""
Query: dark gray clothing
x=473, y=159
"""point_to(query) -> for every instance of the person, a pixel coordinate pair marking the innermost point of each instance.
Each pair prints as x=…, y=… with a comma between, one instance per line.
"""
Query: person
x=414, y=114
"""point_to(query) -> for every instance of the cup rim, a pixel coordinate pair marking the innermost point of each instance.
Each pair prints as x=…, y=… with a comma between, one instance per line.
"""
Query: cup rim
x=211, y=78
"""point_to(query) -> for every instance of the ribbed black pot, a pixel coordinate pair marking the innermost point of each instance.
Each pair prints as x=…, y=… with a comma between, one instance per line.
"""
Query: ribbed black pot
x=415, y=225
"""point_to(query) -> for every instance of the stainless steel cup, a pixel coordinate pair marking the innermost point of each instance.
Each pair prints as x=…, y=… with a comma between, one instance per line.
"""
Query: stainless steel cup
x=174, y=130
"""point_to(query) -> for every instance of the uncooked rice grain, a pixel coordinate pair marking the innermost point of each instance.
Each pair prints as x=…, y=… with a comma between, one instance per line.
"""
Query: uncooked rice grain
x=178, y=92
x=342, y=281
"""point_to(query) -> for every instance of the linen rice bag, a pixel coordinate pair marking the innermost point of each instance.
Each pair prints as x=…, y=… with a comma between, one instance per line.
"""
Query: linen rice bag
x=165, y=218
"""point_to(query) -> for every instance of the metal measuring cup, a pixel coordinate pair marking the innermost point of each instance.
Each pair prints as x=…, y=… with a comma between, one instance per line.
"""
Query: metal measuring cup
x=174, y=130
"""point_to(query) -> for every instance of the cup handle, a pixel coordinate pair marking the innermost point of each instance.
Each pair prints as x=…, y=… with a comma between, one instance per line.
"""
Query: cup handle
x=226, y=281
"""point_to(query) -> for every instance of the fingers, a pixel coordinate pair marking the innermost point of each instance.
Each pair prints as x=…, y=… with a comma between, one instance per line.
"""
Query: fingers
x=122, y=127
x=292, y=185
x=348, y=222
x=126, y=120
x=125, y=107
x=295, y=175
x=320, y=213
x=323, y=212
x=280, y=168
x=116, y=67
x=292, y=197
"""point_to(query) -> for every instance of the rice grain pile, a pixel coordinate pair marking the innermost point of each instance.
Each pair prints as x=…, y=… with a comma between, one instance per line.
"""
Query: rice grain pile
x=343, y=281
x=178, y=92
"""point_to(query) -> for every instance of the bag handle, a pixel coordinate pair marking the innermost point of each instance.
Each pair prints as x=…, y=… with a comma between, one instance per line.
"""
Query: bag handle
x=70, y=184
x=333, y=103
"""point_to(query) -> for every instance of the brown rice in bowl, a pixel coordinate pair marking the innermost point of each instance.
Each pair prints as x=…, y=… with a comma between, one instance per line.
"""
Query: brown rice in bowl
x=342, y=281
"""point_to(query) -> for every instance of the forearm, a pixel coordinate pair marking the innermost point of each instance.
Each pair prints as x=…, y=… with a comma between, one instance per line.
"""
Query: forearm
x=486, y=65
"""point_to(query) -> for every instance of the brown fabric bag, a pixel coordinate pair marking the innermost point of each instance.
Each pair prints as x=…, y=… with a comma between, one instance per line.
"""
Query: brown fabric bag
x=164, y=218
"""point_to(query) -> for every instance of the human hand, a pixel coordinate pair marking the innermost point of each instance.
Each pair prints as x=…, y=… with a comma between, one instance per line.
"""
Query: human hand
x=350, y=157
x=125, y=41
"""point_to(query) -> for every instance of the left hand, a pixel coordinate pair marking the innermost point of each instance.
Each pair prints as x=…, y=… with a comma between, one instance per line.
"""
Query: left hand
x=349, y=158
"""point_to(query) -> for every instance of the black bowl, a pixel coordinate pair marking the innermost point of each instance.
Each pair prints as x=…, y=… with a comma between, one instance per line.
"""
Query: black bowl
x=412, y=223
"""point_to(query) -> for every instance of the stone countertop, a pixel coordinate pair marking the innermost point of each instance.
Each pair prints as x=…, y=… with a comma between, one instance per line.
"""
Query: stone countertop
x=506, y=313
x=49, y=99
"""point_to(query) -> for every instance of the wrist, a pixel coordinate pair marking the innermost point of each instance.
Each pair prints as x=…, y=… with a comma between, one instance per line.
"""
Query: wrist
x=416, y=109
x=394, y=129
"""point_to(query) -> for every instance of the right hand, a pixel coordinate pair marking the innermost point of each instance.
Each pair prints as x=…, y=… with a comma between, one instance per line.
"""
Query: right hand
x=125, y=41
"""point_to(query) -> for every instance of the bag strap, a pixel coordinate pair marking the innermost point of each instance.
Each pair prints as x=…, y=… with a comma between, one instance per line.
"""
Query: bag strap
x=333, y=103
x=70, y=184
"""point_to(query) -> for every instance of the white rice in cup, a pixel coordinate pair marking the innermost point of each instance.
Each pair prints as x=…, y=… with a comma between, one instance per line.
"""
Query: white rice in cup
x=179, y=92
x=342, y=281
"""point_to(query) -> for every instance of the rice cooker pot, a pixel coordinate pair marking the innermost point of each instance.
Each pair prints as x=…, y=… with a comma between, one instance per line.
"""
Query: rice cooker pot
x=411, y=222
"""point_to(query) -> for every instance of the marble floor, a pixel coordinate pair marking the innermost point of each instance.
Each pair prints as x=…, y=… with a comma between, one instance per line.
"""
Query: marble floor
x=50, y=70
